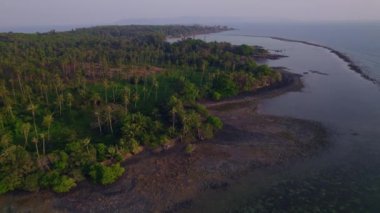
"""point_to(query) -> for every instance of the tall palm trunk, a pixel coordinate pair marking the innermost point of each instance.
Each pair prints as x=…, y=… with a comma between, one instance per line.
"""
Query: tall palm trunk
x=109, y=109
x=99, y=124
x=173, y=118
x=106, y=94
x=34, y=122
x=26, y=139
x=97, y=114
x=37, y=151
x=35, y=141
x=49, y=133
x=43, y=144
x=20, y=84
x=13, y=89
x=113, y=94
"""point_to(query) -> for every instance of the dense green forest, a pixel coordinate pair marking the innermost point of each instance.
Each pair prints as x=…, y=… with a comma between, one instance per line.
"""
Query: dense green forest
x=74, y=105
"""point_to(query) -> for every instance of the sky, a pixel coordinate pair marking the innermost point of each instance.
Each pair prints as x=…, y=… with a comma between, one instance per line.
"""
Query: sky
x=96, y=12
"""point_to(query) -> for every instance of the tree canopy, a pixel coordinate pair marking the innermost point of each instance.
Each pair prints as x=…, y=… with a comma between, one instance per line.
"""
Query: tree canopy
x=74, y=104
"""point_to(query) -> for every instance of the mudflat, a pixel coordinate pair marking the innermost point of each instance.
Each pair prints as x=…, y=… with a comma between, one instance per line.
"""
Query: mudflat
x=169, y=181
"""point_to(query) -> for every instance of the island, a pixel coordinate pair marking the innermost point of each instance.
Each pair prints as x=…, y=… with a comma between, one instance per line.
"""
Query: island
x=120, y=112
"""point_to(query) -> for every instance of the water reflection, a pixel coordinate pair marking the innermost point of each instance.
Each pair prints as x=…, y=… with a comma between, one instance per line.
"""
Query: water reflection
x=346, y=176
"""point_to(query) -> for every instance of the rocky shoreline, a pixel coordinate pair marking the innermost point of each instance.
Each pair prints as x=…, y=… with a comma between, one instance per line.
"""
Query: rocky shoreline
x=351, y=64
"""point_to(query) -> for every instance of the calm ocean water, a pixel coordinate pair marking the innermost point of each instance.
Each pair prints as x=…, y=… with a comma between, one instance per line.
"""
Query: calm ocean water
x=360, y=41
x=345, y=176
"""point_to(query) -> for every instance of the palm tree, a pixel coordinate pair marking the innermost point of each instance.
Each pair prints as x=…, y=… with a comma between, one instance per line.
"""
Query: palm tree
x=12, y=81
x=86, y=142
x=106, y=86
x=42, y=135
x=82, y=92
x=113, y=92
x=173, y=111
x=95, y=99
x=3, y=90
x=97, y=114
x=58, y=85
x=1, y=121
x=127, y=91
x=25, y=127
x=136, y=81
x=195, y=122
x=112, y=151
x=9, y=109
x=5, y=140
x=176, y=107
x=204, y=66
x=39, y=84
x=47, y=122
x=155, y=86
x=45, y=88
x=126, y=100
x=32, y=108
x=145, y=90
x=18, y=72
x=35, y=141
x=60, y=100
x=109, y=116
x=28, y=92
x=135, y=97
x=185, y=125
x=70, y=99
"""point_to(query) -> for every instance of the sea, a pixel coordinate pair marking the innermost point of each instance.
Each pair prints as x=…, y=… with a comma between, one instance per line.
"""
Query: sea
x=345, y=175
x=359, y=40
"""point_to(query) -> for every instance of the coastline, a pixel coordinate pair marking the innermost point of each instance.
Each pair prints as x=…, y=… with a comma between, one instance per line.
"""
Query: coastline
x=168, y=173
x=351, y=64
x=171, y=180
x=290, y=82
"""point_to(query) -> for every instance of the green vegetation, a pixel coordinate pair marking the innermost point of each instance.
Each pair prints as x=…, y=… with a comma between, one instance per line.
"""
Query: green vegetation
x=74, y=105
x=106, y=174
x=189, y=148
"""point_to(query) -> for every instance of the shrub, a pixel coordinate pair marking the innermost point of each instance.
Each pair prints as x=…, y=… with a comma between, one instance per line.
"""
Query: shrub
x=201, y=109
x=101, y=151
x=63, y=184
x=216, y=96
x=188, y=91
x=48, y=178
x=31, y=182
x=207, y=131
x=106, y=174
x=189, y=149
x=244, y=50
x=225, y=86
x=9, y=182
x=57, y=182
x=60, y=160
x=215, y=122
x=119, y=157
x=263, y=70
x=133, y=146
x=77, y=175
